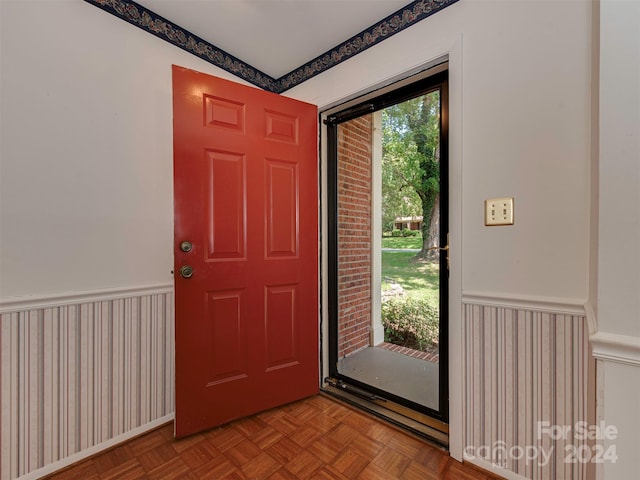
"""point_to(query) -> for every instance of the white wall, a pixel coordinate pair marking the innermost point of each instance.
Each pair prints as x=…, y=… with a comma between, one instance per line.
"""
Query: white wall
x=86, y=192
x=525, y=133
x=619, y=258
x=617, y=342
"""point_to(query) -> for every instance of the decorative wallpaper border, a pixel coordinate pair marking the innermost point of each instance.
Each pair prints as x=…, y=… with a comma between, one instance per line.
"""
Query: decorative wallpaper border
x=153, y=23
x=380, y=31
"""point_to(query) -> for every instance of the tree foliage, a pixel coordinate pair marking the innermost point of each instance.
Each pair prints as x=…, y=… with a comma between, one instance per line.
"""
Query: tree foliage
x=410, y=163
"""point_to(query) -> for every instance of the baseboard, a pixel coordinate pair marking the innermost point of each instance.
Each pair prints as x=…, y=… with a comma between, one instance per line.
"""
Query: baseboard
x=490, y=467
x=90, y=452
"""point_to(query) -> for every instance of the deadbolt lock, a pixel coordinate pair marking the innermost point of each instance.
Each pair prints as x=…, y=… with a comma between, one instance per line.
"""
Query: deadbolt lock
x=186, y=247
x=186, y=271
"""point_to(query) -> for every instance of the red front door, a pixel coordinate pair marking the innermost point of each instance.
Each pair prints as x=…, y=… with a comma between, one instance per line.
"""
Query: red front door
x=245, y=180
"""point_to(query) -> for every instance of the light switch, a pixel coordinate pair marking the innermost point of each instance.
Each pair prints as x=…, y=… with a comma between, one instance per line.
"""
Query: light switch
x=498, y=211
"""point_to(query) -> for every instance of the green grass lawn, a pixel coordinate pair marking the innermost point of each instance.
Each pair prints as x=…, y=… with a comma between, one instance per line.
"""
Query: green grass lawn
x=401, y=242
x=419, y=279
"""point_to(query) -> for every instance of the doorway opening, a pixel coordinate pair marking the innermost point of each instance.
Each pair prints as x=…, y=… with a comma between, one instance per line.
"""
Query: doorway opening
x=387, y=179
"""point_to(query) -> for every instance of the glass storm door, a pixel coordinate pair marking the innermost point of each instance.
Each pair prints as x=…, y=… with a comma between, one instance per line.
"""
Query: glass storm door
x=388, y=248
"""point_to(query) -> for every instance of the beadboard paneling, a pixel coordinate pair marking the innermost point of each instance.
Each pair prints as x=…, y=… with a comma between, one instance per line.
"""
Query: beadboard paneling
x=523, y=367
x=78, y=375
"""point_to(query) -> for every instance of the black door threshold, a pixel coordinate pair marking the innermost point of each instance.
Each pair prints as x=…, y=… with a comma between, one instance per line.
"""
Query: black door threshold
x=430, y=429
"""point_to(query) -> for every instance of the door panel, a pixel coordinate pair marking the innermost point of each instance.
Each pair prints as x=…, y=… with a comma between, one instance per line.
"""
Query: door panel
x=226, y=205
x=226, y=335
x=281, y=327
x=281, y=209
x=245, y=188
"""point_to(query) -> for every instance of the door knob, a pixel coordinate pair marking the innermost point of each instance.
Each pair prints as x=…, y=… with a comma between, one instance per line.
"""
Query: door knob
x=186, y=271
x=186, y=246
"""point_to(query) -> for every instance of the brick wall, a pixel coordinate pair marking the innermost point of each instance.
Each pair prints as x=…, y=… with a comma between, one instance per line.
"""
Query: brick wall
x=354, y=234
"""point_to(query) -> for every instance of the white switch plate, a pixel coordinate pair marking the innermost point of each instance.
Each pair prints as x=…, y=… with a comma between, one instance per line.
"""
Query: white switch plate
x=498, y=211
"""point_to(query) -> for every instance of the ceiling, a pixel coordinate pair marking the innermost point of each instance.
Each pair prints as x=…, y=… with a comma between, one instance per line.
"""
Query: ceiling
x=274, y=44
x=274, y=36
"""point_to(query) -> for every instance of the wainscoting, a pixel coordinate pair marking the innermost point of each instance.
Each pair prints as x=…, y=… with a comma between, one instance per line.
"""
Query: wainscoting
x=523, y=367
x=81, y=373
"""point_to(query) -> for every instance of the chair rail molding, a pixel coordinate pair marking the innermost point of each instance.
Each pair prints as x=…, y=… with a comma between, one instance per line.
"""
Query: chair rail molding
x=35, y=302
x=617, y=348
x=571, y=306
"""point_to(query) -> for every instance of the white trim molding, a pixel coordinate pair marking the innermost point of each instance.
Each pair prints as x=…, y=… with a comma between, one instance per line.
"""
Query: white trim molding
x=570, y=306
x=36, y=302
x=490, y=467
x=592, y=317
x=617, y=348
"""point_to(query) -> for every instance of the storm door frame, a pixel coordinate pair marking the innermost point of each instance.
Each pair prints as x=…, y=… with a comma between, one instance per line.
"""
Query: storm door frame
x=437, y=81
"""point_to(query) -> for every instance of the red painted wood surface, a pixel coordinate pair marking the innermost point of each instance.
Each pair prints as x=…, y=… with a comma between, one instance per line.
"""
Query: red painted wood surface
x=245, y=180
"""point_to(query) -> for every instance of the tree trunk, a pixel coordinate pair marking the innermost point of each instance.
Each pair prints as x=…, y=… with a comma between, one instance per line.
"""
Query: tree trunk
x=434, y=224
x=428, y=190
x=430, y=229
x=428, y=201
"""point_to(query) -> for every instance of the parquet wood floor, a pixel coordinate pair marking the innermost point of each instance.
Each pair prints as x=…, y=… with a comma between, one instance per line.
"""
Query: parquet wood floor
x=315, y=438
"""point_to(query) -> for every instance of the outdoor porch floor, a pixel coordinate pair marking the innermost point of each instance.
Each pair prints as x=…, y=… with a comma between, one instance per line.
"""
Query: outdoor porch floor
x=396, y=373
